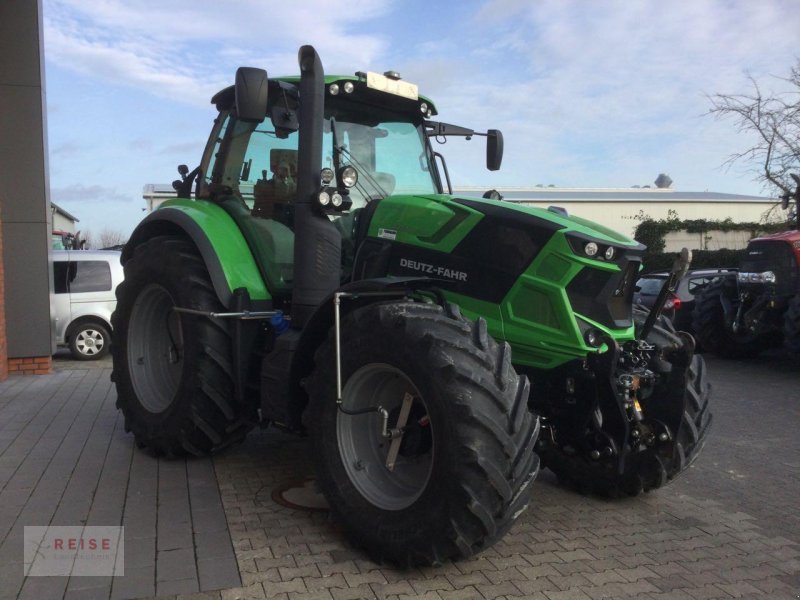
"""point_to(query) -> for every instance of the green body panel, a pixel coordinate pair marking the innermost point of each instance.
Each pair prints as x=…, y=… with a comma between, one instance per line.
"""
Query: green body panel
x=228, y=243
x=538, y=320
x=426, y=221
x=535, y=316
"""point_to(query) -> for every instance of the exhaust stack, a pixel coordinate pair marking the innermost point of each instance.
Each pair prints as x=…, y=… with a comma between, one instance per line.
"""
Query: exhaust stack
x=317, y=243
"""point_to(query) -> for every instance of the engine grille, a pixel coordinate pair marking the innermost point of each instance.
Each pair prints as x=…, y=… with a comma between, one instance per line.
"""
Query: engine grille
x=605, y=297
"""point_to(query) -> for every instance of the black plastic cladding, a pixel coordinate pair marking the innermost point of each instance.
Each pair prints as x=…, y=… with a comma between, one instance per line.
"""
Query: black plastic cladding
x=578, y=241
x=604, y=297
x=484, y=265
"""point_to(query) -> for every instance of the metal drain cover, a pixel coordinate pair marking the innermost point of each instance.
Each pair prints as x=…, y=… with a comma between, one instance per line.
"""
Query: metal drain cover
x=302, y=495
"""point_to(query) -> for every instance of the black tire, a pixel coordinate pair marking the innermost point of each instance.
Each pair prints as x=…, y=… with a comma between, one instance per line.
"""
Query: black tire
x=648, y=471
x=481, y=456
x=173, y=371
x=696, y=422
x=791, y=326
x=713, y=334
x=89, y=340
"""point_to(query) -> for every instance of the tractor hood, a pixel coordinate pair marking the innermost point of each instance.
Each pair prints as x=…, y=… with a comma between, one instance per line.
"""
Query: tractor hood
x=785, y=237
x=557, y=218
x=517, y=260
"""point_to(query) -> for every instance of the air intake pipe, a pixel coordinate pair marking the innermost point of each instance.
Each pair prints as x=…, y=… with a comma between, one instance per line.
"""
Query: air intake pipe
x=317, y=243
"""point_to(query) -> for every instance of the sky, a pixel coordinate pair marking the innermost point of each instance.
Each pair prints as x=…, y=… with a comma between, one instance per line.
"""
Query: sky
x=587, y=93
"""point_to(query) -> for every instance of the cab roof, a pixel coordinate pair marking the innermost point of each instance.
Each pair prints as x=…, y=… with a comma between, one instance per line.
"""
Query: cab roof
x=225, y=98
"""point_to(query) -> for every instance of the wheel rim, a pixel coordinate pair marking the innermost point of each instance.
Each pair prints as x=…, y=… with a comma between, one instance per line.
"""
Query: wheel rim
x=155, y=348
x=89, y=342
x=364, y=450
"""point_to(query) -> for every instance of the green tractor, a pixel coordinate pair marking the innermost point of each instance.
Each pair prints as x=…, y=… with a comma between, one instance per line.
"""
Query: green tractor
x=325, y=280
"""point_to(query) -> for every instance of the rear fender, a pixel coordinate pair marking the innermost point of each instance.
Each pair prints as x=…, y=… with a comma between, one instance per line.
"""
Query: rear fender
x=227, y=257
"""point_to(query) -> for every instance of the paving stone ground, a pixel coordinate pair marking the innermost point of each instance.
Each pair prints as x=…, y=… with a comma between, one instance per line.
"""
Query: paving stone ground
x=729, y=528
x=65, y=459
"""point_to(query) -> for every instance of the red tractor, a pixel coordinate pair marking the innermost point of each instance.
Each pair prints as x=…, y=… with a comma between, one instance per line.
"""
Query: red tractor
x=759, y=306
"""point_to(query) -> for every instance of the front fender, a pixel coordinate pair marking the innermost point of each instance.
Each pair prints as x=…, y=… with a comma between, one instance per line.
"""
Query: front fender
x=227, y=256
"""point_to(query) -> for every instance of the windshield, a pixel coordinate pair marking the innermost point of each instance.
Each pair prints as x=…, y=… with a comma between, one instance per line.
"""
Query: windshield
x=387, y=150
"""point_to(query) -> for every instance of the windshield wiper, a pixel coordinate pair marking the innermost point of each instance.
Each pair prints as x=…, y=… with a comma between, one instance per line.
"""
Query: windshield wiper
x=336, y=148
x=340, y=151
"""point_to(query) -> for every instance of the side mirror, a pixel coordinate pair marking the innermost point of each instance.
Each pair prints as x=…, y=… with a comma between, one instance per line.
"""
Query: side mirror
x=494, y=149
x=251, y=94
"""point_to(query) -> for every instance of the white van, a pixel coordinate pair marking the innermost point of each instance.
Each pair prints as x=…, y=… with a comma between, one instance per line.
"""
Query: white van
x=84, y=284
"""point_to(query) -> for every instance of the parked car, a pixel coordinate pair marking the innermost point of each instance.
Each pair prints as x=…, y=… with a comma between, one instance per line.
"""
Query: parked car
x=679, y=303
x=84, y=284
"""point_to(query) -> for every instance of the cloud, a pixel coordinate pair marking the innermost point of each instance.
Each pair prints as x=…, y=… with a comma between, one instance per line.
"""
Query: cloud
x=187, y=50
x=78, y=194
x=66, y=149
x=588, y=92
x=181, y=148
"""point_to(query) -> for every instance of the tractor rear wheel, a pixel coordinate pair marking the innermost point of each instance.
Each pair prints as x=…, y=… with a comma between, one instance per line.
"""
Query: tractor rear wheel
x=791, y=326
x=647, y=471
x=713, y=333
x=465, y=462
x=173, y=370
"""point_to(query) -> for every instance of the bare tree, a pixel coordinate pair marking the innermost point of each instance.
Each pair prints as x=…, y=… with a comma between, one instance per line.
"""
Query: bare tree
x=88, y=238
x=106, y=239
x=775, y=121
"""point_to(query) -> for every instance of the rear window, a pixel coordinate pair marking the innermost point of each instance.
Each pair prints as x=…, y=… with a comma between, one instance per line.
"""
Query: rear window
x=651, y=286
x=89, y=276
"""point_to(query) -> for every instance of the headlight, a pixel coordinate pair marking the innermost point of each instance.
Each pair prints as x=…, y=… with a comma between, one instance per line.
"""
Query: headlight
x=326, y=175
x=336, y=199
x=348, y=176
x=590, y=249
x=765, y=277
x=333, y=89
x=324, y=198
x=348, y=87
x=609, y=253
x=423, y=108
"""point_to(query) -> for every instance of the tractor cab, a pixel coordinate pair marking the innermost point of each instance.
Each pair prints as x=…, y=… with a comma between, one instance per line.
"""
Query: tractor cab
x=373, y=145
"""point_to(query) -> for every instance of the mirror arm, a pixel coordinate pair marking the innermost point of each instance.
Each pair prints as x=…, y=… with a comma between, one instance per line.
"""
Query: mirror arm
x=446, y=173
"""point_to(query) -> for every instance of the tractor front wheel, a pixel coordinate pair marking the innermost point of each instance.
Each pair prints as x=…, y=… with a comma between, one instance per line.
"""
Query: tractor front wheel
x=459, y=468
x=687, y=393
x=714, y=334
x=173, y=370
x=791, y=326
